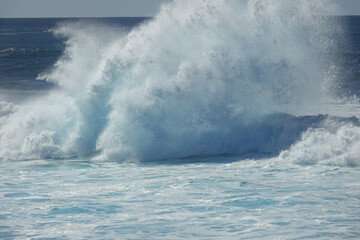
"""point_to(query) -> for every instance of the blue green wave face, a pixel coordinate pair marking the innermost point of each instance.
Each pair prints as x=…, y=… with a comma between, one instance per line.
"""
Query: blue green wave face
x=200, y=78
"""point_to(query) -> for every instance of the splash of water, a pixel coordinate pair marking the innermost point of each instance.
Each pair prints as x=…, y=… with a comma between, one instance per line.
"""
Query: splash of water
x=201, y=78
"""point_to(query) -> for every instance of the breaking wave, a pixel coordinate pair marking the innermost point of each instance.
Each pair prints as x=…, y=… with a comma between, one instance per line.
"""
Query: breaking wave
x=200, y=78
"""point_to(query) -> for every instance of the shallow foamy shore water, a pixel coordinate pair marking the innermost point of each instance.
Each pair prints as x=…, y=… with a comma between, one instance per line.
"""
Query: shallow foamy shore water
x=223, y=199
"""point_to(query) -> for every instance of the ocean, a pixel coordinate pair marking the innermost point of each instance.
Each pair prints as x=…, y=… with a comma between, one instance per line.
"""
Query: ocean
x=211, y=120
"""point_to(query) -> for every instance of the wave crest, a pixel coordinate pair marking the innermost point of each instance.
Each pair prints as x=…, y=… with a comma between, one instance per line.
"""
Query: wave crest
x=201, y=78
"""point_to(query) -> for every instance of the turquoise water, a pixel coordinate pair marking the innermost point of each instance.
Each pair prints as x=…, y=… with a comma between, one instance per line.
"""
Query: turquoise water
x=247, y=199
x=212, y=120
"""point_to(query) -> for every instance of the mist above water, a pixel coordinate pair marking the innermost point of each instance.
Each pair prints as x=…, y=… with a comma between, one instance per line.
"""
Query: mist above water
x=200, y=78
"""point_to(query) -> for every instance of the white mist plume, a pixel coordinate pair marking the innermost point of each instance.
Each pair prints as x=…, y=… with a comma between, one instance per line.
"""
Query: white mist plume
x=198, y=79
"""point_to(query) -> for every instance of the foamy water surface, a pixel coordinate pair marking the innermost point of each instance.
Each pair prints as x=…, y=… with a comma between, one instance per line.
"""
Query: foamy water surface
x=211, y=198
x=212, y=120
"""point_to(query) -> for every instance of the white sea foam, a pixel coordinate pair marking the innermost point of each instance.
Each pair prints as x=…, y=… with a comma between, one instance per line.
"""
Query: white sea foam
x=201, y=78
x=336, y=143
x=6, y=109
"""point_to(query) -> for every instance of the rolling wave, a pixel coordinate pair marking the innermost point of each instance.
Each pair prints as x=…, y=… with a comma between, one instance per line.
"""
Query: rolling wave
x=200, y=78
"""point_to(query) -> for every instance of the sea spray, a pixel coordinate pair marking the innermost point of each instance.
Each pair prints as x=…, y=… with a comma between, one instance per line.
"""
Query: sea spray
x=335, y=143
x=195, y=77
x=200, y=78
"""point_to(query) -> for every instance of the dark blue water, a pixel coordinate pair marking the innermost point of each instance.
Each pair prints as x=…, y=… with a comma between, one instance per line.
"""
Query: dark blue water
x=172, y=90
x=29, y=47
x=349, y=54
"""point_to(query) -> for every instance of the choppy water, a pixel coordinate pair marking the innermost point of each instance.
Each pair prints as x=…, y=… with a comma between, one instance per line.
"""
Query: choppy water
x=267, y=198
x=222, y=119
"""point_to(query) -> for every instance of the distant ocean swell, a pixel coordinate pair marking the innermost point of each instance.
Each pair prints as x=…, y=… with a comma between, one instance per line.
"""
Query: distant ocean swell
x=201, y=78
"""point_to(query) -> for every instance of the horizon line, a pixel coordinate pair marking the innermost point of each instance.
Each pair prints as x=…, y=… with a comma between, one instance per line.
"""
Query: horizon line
x=76, y=17
x=63, y=17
